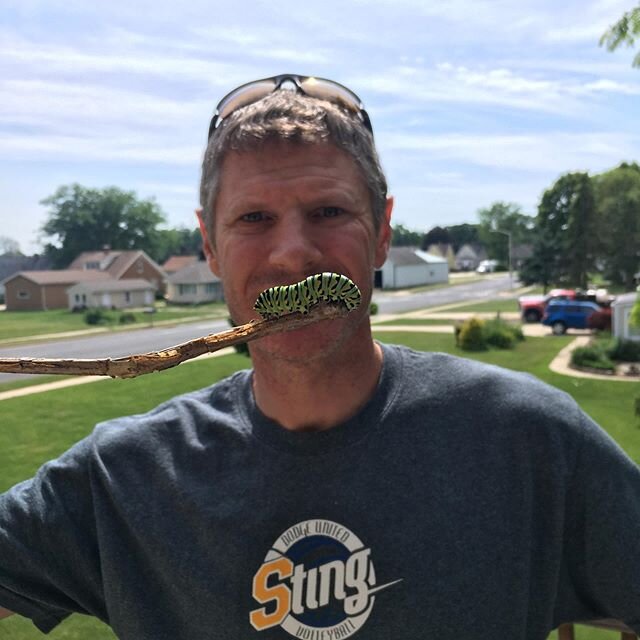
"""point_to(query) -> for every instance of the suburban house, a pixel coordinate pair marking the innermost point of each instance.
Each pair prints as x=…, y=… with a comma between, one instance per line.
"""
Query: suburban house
x=620, y=325
x=410, y=267
x=175, y=263
x=443, y=250
x=110, y=293
x=519, y=254
x=194, y=284
x=469, y=256
x=43, y=290
x=122, y=265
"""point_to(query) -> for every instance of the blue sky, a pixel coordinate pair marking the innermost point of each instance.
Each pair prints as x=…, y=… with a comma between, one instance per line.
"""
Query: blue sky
x=472, y=101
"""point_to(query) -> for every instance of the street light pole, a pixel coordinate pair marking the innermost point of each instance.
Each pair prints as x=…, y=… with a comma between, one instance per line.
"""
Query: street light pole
x=508, y=234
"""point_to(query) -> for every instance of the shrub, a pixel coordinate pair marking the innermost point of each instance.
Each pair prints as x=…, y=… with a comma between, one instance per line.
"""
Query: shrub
x=592, y=356
x=471, y=337
x=97, y=316
x=126, y=317
x=499, y=337
x=624, y=350
x=373, y=309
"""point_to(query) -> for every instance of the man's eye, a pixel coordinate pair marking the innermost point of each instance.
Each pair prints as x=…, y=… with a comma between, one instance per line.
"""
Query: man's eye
x=331, y=212
x=253, y=216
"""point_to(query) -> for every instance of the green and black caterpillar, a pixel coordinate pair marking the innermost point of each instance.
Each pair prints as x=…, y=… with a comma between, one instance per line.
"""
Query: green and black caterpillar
x=301, y=296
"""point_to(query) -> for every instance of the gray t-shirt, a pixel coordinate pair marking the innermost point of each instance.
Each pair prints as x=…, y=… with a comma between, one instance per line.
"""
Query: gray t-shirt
x=463, y=501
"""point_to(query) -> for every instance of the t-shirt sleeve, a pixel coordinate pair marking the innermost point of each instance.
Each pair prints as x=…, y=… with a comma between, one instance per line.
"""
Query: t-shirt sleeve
x=602, y=541
x=49, y=557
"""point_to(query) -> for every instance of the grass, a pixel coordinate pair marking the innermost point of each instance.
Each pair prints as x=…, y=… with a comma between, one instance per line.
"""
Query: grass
x=56, y=420
x=21, y=324
x=415, y=322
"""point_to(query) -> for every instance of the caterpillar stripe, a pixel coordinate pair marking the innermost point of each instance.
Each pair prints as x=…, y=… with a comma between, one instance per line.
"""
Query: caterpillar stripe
x=301, y=296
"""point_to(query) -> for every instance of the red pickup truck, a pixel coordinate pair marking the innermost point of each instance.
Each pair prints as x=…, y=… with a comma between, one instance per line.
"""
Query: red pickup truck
x=532, y=308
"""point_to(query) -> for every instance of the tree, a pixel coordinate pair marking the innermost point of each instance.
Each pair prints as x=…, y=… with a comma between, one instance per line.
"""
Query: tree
x=461, y=234
x=624, y=31
x=501, y=218
x=9, y=247
x=82, y=219
x=618, y=202
x=543, y=267
x=436, y=235
x=179, y=242
x=567, y=218
x=403, y=237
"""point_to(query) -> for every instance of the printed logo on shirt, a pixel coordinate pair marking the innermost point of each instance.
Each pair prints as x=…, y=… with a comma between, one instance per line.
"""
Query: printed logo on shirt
x=317, y=582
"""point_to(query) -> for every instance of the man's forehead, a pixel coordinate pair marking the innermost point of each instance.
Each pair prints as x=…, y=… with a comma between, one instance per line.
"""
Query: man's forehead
x=281, y=159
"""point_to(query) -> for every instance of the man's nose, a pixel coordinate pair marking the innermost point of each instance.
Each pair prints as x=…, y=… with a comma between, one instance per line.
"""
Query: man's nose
x=294, y=247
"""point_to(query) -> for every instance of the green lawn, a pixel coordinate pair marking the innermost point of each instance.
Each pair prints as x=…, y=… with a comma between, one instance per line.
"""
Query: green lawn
x=58, y=419
x=19, y=324
x=415, y=322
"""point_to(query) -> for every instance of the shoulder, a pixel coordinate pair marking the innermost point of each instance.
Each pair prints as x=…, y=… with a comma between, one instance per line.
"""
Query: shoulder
x=181, y=419
x=484, y=396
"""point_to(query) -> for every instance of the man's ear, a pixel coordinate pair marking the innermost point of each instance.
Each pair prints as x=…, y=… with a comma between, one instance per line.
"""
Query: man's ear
x=384, y=235
x=207, y=245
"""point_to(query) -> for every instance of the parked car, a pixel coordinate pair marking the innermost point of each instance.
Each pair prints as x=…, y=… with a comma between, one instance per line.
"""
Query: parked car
x=532, y=307
x=487, y=266
x=561, y=315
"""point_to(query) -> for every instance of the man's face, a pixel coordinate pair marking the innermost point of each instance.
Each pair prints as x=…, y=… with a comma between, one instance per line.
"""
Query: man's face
x=285, y=212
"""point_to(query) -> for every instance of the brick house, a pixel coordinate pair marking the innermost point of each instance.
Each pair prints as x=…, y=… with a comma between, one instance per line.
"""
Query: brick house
x=43, y=290
x=122, y=265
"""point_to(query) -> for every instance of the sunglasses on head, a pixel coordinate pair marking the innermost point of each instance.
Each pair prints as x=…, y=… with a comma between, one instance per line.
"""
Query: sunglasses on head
x=311, y=86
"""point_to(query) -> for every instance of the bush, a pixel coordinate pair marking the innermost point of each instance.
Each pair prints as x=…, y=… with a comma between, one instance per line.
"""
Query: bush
x=471, y=336
x=499, y=337
x=373, y=309
x=126, y=317
x=593, y=357
x=97, y=316
x=624, y=350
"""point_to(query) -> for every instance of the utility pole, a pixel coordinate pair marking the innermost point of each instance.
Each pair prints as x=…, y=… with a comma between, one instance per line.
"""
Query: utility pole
x=508, y=234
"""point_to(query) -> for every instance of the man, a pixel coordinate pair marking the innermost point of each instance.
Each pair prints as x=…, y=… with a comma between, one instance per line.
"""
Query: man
x=341, y=488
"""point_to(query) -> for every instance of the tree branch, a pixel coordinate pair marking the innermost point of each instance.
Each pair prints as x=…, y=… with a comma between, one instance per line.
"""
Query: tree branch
x=136, y=365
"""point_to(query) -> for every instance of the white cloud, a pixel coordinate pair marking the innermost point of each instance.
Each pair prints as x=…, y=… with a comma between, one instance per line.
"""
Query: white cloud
x=557, y=152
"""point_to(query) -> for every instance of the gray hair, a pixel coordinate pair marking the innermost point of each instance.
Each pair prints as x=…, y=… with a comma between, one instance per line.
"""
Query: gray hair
x=292, y=117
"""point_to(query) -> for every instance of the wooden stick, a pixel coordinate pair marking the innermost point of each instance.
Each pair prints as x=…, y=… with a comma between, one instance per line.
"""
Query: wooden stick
x=137, y=365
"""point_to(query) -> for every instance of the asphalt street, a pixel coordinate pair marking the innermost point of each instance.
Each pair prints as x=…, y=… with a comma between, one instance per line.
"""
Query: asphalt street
x=122, y=343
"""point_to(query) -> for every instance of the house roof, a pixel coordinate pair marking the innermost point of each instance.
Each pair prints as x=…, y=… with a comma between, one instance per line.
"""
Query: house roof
x=625, y=299
x=197, y=273
x=407, y=256
x=175, y=263
x=59, y=276
x=430, y=258
x=113, y=262
x=110, y=285
x=403, y=256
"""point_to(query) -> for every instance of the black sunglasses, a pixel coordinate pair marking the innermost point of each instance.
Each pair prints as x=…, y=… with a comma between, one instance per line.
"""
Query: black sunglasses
x=311, y=86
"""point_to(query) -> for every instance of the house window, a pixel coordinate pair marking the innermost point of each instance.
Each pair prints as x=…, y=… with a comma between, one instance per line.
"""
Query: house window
x=187, y=289
x=127, y=296
x=23, y=295
x=211, y=287
x=92, y=265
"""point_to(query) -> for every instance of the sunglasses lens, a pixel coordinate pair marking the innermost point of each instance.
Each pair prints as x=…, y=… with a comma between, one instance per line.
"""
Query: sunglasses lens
x=244, y=96
x=331, y=91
